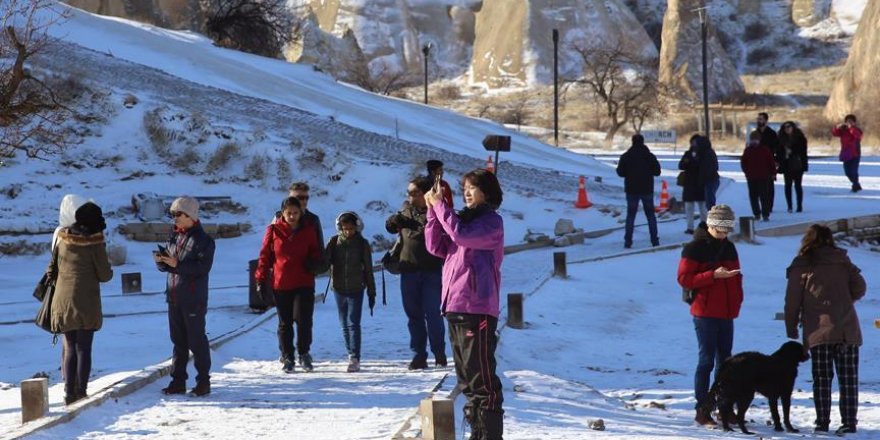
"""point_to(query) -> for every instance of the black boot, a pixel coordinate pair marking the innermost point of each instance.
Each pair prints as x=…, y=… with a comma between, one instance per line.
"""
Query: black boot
x=493, y=424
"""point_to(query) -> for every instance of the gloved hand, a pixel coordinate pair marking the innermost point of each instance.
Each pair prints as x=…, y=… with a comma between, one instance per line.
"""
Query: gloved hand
x=371, y=301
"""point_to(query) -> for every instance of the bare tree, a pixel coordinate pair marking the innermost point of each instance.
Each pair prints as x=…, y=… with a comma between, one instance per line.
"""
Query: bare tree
x=31, y=112
x=260, y=27
x=623, y=81
x=384, y=79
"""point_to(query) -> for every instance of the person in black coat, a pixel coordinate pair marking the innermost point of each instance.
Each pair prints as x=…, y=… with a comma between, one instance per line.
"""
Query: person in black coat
x=638, y=167
x=769, y=139
x=710, y=180
x=793, y=161
x=693, y=191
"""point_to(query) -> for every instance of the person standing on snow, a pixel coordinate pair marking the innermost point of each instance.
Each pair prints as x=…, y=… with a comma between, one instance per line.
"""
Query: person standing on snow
x=758, y=166
x=420, y=277
x=710, y=267
x=793, y=161
x=823, y=285
x=290, y=249
x=709, y=178
x=693, y=191
x=769, y=139
x=472, y=245
x=351, y=269
x=638, y=167
x=79, y=266
x=187, y=258
x=850, y=149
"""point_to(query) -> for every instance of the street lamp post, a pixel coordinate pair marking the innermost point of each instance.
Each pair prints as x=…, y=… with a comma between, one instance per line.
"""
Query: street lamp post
x=704, y=27
x=556, y=86
x=426, y=49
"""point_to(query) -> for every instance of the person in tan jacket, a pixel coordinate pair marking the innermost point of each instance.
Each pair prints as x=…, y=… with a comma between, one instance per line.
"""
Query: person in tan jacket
x=81, y=266
x=823, y=286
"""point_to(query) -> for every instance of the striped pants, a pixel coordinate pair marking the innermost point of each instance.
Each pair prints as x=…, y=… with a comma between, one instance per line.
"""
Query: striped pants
x=844, y=358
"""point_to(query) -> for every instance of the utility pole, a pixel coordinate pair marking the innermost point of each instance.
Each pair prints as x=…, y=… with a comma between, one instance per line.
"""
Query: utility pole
x=426, y=49
x=704, y=28
x=556, y=86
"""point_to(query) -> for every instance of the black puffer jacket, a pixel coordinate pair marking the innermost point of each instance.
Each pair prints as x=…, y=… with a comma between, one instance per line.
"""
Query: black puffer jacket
x=410, y=223
x=351, y=264
x=693, y=190
x=187, y=284
x=638, y=167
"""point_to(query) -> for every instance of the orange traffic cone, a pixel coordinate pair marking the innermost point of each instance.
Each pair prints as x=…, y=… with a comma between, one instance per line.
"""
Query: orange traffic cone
x=664, y=199
x=583, y=201
x=489, y=165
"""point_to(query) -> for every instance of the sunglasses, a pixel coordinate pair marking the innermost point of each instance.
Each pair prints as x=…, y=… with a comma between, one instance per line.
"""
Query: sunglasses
x=178, y=214
x=302, y=197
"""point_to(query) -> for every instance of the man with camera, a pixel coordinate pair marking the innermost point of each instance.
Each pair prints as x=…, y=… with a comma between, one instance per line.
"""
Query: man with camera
x=850, y=149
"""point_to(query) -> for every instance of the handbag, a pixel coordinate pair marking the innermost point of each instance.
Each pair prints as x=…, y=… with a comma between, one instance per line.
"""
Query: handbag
x=46, y=286
x=45, y=283
x=680, y=179
x=391, y=259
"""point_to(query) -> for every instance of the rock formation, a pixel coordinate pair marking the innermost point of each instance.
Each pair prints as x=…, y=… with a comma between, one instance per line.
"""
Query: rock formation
x=857, y=89
x=171, y=14
x=806, y=13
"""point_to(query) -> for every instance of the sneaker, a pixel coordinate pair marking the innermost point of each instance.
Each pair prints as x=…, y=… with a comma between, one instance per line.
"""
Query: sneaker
x=305, y=361
x=174, y=388
x=201, y=389
x=354, y=365
x=418, y=363
x=845, y=429
x=288, y=367
x=440, y=361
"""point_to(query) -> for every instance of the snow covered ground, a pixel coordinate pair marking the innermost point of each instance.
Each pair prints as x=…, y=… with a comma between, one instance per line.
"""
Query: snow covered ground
x=604, y=343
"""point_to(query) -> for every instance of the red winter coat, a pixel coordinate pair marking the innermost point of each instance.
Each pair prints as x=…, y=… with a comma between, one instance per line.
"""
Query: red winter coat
x=757, y=163
x=715, y=298
x=291, y=255
x=850, y=142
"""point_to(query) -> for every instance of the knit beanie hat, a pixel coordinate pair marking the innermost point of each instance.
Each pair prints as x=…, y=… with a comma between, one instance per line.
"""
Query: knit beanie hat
x=90, y=218
x=186, y=205
x=721, y=217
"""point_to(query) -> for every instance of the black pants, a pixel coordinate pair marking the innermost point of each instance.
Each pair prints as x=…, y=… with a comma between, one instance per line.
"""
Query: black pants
x=844, y=358
x=798, y=189
x=473, y=348
x=188, y=334
x=298, y=306
x=759, y=197
x=77, y=362
x=771, y=194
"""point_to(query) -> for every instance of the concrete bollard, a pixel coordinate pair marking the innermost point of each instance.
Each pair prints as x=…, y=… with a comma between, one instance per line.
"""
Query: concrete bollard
x=438, y=419
x=780, y=316
x=747, y=229
x=34, y=399
x=131, y=282
x=515, y=310
x=559, y=267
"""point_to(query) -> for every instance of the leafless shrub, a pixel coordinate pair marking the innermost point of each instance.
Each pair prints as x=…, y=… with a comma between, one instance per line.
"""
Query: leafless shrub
x=23, y=247
x=157, y=132
x=261, y=27
x=186, y=161
x=256, y=168
x=449, y=93
x=221, y=157
x=284, y=174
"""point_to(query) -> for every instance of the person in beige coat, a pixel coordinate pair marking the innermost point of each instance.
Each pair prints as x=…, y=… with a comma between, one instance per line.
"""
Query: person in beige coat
x=823, y=286
x=81, y=266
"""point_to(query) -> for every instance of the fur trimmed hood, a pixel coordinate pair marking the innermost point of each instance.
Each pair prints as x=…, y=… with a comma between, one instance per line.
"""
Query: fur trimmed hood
x=73, y=239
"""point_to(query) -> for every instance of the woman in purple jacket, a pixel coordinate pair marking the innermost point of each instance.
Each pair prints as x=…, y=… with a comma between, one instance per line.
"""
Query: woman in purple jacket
x=471, y=243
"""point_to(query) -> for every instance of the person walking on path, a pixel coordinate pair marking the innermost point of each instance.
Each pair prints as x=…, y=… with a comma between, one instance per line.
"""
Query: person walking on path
x=758, y=165
x=290, y=248
x=435, y=169
x=187, y=258
x=710, y=267
x=850, y=149
x=710, y=180
x=351, y=269
x=793, y=161
x=79, y=267
x=693, y=191
x=770, y=139
x=420, y=277
x=471, y=243
x=823, y=286
x=638, y=167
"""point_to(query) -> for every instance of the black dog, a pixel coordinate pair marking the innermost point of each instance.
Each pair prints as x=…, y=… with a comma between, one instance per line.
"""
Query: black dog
x=773, y=376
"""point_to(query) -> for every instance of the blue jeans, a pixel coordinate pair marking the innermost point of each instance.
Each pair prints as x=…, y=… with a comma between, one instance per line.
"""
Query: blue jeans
x=715, y=339
x=632, y=205
x=709, y=191
x=421, y=302
x=851, y=169
x=349, y=306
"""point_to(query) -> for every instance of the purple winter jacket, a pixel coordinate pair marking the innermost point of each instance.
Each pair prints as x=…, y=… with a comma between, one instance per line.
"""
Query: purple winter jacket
x=472, y=254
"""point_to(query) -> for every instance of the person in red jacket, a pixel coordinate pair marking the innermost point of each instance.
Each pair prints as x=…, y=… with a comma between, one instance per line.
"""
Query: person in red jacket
x=435, y=167
x=850, y=149
x=759, y=166
x=290, y=247
x=709, y=266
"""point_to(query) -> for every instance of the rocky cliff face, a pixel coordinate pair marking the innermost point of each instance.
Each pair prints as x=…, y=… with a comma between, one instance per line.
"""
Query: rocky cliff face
x=681, y=56
x=172, y=14
x=805, y=13
x=857, y=89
